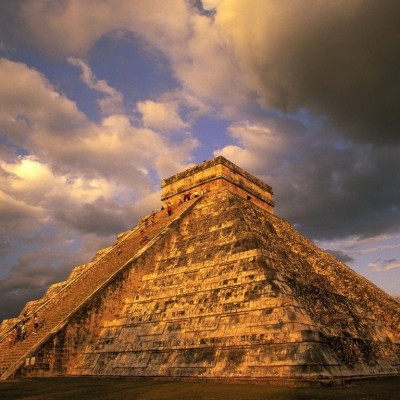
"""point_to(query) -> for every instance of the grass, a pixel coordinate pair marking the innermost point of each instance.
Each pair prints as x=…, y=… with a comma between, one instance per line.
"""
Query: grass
x=146, y=389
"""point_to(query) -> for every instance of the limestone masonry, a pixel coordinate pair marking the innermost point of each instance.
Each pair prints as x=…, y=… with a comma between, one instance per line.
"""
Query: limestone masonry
x=220, y=289
x=214, y=175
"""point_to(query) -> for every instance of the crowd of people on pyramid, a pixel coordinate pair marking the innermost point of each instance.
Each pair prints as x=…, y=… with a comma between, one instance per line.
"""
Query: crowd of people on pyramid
x=186, y=197
x=151, y=219
x=20, y=331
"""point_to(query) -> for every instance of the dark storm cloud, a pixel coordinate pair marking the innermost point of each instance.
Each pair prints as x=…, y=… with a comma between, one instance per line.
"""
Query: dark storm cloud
x=325, y=184
x=340, y=59
x=28, y=280
x=101, y=217
x=361, y=84
x=335, y=192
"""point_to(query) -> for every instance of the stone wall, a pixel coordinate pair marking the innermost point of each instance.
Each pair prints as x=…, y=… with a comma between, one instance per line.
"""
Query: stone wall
x=214, y=175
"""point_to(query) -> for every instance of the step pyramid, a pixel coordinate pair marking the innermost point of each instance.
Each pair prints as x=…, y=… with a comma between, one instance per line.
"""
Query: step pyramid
x=220, y=289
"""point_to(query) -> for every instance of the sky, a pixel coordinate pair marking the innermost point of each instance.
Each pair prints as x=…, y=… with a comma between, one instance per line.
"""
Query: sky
x=101, y=99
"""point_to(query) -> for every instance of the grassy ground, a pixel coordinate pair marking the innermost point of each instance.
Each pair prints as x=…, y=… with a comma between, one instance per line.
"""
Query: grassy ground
x=130, y=389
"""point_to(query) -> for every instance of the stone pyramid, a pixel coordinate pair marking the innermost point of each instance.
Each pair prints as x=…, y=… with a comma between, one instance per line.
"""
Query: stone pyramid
x=220, y=289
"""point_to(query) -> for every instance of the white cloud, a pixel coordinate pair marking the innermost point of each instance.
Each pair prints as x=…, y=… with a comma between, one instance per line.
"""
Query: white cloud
x=33, y=186
x=112, y=102
x=35, y=117
x=186, y=38
x=260, y=146
x=31, y=104
x=77, y=26
x=31, y=180
x=262, y=52
x=217, y=76
x=79, y=177
x=161, y=117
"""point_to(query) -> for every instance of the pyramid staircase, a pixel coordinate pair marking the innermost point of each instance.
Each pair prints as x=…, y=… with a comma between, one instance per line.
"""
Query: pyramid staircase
x=57, y=310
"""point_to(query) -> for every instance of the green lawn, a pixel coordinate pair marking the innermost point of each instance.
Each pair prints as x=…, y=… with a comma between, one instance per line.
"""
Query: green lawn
x=145, y=389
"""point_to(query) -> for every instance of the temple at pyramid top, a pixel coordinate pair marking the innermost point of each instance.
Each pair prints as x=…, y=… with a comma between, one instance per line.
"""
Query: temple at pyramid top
x=216, y=174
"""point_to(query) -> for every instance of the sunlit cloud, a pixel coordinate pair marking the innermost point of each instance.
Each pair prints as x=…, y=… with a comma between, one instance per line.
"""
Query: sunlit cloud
x=161, y=117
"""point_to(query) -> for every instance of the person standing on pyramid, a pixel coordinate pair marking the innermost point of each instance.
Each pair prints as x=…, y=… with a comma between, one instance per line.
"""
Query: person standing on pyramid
x=36, y=323
x=22, y=331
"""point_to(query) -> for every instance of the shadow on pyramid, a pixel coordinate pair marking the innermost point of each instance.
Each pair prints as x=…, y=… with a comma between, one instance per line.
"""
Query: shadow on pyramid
x=213, y=286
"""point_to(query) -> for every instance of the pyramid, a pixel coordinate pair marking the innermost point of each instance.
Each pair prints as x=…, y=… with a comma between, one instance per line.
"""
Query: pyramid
x=214, y=286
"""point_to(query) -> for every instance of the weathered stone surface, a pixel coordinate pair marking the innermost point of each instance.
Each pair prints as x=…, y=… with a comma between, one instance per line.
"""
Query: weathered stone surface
x=221, y=289
x=214, y=175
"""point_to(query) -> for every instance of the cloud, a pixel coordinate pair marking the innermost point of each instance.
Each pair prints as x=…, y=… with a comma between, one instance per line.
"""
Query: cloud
x=183, y=34
x=78, y=25
x=105, y=217
x=112, y=102
x=13, y=210
x=72, y=23
x=384, y=265
x=338, y=59
x=36, y=118
x=32, y=191
x=69, y=184
x=328, y=186
x=161, y=117
x=46, y=259
x=217, y=77
x=29, y=102
x=341, y=255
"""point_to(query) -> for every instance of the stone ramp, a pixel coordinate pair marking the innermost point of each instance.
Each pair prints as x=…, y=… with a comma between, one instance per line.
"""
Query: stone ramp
x=77, y=291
